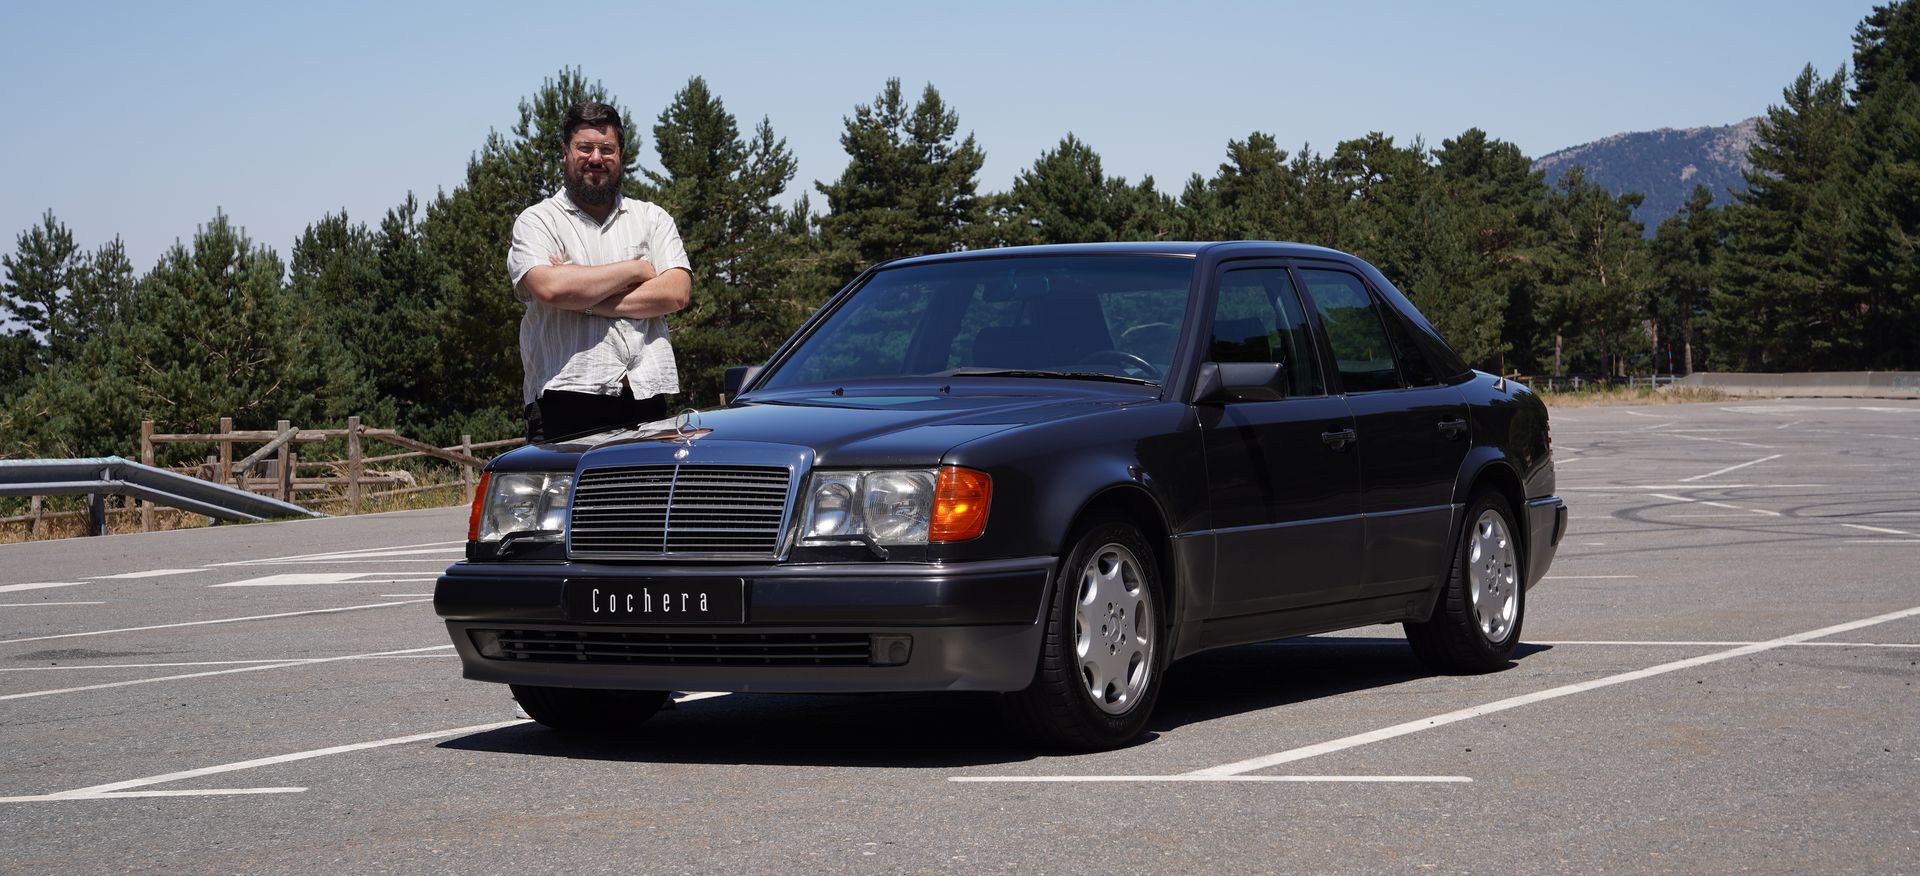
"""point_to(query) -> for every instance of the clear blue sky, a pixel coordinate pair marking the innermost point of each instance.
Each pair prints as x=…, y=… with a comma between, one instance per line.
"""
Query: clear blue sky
x=140, y=119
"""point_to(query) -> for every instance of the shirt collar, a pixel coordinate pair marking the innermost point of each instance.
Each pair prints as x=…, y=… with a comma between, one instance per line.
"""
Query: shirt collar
x=566, y=203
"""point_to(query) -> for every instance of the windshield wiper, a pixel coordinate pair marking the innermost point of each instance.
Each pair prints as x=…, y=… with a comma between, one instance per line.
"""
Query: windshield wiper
x=977, y=371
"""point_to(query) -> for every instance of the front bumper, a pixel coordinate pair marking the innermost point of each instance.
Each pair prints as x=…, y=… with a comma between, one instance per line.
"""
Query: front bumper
x=1546, y=525
x=970, y=626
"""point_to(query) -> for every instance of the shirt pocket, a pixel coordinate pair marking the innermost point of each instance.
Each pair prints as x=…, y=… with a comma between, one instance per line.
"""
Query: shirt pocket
x=639, y=251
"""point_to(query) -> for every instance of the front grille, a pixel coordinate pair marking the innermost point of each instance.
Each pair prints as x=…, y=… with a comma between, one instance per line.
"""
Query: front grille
x=689, y=511
x=683, y=649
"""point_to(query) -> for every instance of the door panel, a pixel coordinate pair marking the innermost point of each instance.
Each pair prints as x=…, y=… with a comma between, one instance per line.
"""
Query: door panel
x=1285, y=499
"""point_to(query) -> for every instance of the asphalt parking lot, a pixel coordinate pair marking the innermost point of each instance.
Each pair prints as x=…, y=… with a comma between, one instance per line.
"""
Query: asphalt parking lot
x=1717, y=676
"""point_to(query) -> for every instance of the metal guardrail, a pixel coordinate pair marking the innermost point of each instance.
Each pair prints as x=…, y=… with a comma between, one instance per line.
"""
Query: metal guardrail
x=103, y=476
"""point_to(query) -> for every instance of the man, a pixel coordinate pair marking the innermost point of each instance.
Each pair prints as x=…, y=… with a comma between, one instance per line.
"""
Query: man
x=598, y=273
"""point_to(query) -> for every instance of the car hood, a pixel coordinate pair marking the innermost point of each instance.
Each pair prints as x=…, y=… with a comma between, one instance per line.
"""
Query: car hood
x=843, y=426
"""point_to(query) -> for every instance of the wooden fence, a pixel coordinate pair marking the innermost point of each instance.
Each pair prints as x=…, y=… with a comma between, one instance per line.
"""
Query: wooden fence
x=275, y=467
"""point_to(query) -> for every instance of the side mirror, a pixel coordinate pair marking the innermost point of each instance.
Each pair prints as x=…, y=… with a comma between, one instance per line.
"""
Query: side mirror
x=738, y=376
x=1222, y=382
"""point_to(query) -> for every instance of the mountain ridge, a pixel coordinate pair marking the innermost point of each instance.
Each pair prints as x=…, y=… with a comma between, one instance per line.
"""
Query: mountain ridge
x=1663, y=164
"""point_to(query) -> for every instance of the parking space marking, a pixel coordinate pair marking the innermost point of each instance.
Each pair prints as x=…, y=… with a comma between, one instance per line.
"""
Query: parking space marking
x=224, y=620
x=15, y=588
x=1188, y=777
x=39, y=604
x=1877, y=529
x=1441, y=720
x=295, y=579
x=1716, y=504
x=1629, y=643
x=150, y=573
x=328, y=556
x=1731, y=468
x=116, y=790
x=303, y=661
x=1583, y=577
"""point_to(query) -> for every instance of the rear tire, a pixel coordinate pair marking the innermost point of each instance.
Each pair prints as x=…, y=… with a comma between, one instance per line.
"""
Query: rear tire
x=1477, y=623
x=587, y=710
x=1103, y=651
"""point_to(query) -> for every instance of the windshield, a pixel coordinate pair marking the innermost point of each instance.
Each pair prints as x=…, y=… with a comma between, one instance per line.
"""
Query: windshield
x=1115, y=316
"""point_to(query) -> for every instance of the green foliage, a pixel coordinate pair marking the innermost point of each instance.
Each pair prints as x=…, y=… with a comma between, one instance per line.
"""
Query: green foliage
x=1599, y=274
x=37, y=274
x=1065, y=197
x=750, y=253
x=908, y=188
x=1686, y=250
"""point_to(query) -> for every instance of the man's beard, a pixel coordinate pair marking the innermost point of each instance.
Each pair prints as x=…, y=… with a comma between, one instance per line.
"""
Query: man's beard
x=589, y=195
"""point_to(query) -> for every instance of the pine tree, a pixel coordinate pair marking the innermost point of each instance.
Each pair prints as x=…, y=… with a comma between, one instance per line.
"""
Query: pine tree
x=100, y=287
x=1781, y=293
x=909, y=187
x=1685, y=249
x=1882, y=157
x=721, y=191
x=37, y=274
x=209, y=336
x=1497, y=201
x=1599, y=275
x=1065, y=197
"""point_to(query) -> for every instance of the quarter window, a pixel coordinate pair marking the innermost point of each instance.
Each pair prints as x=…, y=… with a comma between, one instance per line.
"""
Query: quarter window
x=1359, y=340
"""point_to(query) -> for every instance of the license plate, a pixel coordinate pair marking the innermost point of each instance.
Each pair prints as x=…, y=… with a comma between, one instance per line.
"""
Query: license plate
x=656, y=601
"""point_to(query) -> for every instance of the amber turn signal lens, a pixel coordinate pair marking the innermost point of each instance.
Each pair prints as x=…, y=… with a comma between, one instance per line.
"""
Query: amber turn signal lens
x=960, y=500
x=479, y=501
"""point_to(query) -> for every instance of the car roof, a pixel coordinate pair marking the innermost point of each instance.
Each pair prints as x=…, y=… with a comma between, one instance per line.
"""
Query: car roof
x=1183, y=248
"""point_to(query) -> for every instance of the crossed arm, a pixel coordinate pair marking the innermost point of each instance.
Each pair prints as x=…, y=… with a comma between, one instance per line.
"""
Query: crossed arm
x=630, y=288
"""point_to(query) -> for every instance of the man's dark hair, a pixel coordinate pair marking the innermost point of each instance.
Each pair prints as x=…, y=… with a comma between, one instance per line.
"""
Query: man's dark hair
x=590, y=114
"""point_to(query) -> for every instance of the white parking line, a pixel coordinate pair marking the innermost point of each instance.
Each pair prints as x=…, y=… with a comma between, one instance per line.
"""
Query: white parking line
x=1195, y=778
x=1259, y=763
x=333, y=555
x=224, y=620
x=16, y=588
x=150, y=573
x=304, y=661
x=1240, y=768
x=1583, y=577
x=1631, y=643
x=1718, y=440
x=1876, y=529
x=295, y=579
x=1716, y=504
x=115, y=790
x=39, y=604
x=1732, y=468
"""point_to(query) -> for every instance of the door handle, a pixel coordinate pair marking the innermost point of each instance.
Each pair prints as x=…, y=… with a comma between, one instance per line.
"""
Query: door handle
x=1453, y=426
x=1339, y=439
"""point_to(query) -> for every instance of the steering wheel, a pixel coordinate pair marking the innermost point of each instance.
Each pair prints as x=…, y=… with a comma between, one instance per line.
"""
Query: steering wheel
x=1126, y=359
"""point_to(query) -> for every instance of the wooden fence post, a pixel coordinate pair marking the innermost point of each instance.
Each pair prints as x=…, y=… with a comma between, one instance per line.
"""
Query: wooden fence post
x=466, y=474
x=353, y=465
x=286, y=474
x=146, y=458
x=225, y=472
x=33, y=508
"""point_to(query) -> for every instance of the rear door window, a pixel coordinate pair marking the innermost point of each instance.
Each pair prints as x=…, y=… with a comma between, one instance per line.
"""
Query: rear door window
x=1361, y=351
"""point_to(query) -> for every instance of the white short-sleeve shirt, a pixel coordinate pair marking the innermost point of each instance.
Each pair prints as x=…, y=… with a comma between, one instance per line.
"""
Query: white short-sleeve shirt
x=569, y=350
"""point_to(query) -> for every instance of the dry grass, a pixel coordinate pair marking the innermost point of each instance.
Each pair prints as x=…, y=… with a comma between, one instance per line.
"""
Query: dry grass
x=1639, y=395
x=65, y=516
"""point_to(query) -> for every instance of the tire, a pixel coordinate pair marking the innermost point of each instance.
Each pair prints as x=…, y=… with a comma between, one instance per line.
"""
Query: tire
x=1103, y=650
x=1476, y=624
x=584, y=710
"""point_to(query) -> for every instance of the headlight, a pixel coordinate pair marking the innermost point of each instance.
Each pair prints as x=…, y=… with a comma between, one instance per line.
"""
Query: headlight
x=521, y=502
x=895, y=507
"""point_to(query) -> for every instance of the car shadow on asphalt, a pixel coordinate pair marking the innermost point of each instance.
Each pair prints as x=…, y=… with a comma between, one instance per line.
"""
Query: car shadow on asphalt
x=953, y=730
x=1250, y=678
